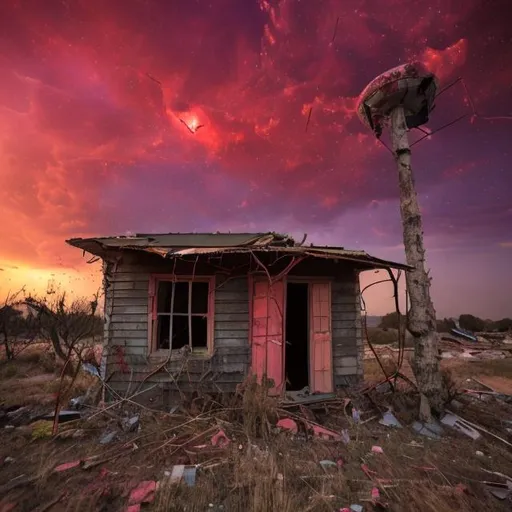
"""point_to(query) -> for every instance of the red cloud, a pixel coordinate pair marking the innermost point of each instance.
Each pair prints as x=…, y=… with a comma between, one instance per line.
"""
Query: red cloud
x=100, y=105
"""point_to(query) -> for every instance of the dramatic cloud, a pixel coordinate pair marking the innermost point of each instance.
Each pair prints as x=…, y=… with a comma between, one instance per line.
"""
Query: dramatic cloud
x=149, y=115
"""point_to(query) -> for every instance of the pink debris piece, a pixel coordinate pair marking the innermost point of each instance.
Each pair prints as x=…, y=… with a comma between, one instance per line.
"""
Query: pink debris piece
x=288, y=424
x=143, y=493
x=67, y=465
x=325, y=433
x=220, y=439
x=375, y=494
x=133, y=508
x=377, y=449
x=344, y=509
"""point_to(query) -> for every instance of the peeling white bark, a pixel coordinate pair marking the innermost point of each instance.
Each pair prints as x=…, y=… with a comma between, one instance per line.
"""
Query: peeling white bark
x=422, y=316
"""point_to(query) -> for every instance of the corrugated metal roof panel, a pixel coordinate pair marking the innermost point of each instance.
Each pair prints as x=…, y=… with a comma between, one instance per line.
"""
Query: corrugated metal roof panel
x=184, y=240
x=204, y=244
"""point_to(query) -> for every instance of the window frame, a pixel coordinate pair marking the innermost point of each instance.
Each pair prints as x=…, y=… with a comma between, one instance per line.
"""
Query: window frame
x=154, y=280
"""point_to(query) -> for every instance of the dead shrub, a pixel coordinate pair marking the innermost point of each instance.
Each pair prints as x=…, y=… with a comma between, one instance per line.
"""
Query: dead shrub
x=47, y=361
x=450, y=386
x=258, y=409
x=8, y=371
x=378, y=336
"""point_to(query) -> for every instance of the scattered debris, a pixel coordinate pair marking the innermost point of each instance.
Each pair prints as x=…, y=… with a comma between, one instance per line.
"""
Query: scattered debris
x=143, y=493
x=64, y=416
x=67, y=465
x=457, y=423
x=288, y=424
x=326, y=464
x=305, y=398
x=482, y=429
x=78, y=402
x=377, y=449
x=182, y=472
x=325, y=433
x=220, y=439
x=90, y=368
x=464, y=334
x=130, y=424
x=108, y=437
x=431, y=430
x=500, y=491
x=389, y=420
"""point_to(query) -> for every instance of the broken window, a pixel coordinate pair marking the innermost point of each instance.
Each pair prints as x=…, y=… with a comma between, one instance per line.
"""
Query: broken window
x=180, y=315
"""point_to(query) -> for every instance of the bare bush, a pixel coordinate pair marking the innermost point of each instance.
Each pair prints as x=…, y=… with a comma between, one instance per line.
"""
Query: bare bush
x=17, y=331
x=72, y=329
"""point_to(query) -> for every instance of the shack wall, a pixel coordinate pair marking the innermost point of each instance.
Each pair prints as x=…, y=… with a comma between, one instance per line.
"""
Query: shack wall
x=126, y=334
x=128, y=362
x=346, y=330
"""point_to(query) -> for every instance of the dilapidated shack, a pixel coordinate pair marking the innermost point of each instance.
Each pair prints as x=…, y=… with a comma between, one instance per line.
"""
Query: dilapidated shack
x=204, y=311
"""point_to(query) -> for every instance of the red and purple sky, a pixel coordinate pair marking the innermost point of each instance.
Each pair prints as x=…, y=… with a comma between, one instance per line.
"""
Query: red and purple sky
x=91, y=142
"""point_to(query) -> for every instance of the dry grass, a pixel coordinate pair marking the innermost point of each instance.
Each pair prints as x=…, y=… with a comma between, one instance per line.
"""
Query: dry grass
x=261, y=470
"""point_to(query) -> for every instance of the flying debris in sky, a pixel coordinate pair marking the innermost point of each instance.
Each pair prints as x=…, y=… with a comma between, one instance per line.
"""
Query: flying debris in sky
x=193, y=126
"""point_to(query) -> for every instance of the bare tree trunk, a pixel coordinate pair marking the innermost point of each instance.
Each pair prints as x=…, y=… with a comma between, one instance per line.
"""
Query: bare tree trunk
x=422, y=316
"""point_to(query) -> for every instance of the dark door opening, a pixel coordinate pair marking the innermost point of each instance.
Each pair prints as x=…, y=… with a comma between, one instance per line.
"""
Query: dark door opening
x=297, y=336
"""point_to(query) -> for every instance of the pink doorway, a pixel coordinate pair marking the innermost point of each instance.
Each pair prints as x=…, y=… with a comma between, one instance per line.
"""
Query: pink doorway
x=267, y=331
x=321, y=373
x=291, y=334
x=308, y=336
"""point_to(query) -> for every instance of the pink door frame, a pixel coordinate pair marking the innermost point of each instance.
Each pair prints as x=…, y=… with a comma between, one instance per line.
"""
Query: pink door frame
x=266, y=327
x=320, y=338
x=320, y=333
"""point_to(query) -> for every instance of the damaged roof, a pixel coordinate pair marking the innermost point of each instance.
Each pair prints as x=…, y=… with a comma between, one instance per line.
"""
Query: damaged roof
x=172, y=245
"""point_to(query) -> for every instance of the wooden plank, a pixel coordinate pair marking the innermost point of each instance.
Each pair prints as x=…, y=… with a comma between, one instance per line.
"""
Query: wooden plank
x=130, y=310
x=232, y=342
x=129, y=334
x=130, y=276
x=349, y=318
x=231, y=334
x=129, y=326
x=232, y=358
x=239, y=284
x=232, y=296
x=349, y=306
x=235, y=326
x=137, y=317
x=344, y=287
x=134, y=301
x=345, y=370
x=231, y=350
x=232, y=307
x=132, y=349
x=232, y=317
x=132, y=285
x=130, y=294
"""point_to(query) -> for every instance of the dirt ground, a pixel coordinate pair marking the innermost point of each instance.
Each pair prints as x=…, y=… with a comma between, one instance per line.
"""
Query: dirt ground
x=259, y=467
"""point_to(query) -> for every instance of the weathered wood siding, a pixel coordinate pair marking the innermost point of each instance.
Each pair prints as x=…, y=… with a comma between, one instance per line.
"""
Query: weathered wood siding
x=346, y=330
x=126, y=329
x=128, y=362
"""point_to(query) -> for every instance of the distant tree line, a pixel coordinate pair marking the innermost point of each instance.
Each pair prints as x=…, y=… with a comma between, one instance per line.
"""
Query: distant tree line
x=468, y=322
